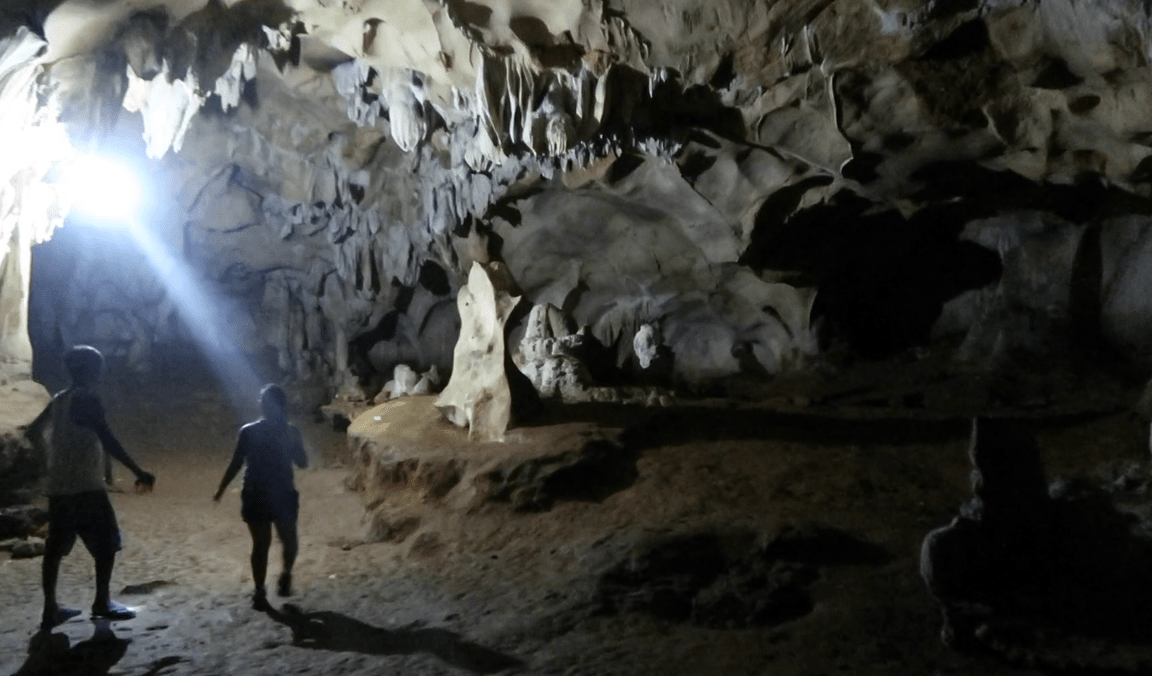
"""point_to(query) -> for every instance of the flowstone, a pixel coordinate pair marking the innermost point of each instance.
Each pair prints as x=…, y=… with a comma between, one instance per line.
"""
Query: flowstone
x=478, y=395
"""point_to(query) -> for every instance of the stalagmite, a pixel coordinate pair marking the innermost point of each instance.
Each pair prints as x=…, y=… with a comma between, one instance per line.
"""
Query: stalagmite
x=478, y=395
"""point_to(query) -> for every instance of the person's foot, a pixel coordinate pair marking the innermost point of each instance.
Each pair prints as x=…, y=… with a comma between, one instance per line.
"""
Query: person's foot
x=112, y=611
x=284, y=585
x=56, y=616
x=260, y=600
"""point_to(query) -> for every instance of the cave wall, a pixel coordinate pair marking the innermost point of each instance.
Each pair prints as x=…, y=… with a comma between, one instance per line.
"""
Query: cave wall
x=754, y=179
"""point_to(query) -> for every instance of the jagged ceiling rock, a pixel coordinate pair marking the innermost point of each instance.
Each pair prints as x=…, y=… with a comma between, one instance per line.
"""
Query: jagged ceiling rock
x=700, y=167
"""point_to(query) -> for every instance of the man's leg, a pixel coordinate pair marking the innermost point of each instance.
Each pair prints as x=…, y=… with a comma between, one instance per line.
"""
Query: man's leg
x=104, y=606
x=49, y=573
x=101, y=535
x=56, y=547
x=105, y=561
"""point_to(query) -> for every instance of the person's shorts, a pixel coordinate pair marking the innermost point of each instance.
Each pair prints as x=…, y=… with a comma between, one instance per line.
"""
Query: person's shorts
x=257, y=506
x=88, y=516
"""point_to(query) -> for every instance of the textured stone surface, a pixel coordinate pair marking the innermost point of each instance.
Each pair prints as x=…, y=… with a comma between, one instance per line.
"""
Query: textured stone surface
x=411, y=466
x=21, y=463
x=757, y=180
x=478, y=395
x=1042, y=574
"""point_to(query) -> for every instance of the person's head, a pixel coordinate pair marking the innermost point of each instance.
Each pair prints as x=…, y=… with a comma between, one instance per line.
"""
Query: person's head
x=274, y=402
x=84, y=364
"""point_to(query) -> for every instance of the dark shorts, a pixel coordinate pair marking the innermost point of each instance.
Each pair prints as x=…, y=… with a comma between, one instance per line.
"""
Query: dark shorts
x=88, y=516
x=257, y=506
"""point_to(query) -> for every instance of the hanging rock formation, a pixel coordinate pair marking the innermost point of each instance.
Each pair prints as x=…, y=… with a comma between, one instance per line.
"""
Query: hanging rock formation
x=757, y=180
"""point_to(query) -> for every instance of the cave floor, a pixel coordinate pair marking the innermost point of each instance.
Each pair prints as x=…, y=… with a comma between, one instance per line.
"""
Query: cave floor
x=495, y=591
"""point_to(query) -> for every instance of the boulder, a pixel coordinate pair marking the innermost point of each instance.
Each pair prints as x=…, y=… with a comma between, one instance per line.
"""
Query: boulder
x=21, y=521
x=410, y=465
x=731, y=580
x=21, y=463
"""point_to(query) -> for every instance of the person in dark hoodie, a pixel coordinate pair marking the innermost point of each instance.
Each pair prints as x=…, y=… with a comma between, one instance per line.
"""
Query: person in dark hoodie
x=269, y=447
x=78, y=504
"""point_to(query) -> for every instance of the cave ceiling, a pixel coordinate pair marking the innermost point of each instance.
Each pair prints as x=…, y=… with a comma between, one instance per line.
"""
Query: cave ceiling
x=739, y=175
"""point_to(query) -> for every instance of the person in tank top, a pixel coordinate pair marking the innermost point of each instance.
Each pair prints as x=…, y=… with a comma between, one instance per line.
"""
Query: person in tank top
x=268, y=447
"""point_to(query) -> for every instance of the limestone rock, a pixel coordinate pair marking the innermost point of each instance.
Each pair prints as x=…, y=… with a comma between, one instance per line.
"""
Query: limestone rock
x=478, y=395
x=28, y=549
x=1025, y=562
x=405, y=381
x=22, y=521
x=21, y=461
x=635, y=165
x=729, y=580
x=554, y=359
x=412, y=467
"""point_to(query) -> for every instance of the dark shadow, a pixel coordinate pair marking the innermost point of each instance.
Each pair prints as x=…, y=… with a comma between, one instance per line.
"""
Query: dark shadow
x=969, y=39
x=708, y=421
x=327, y=630
x=689, y=424
x=883, y=278
x=605, y=470
x=51, y=654
x=1056, y=75
x=695, y=577
x=623, y=167
x=1087, y=289
x=31, y=13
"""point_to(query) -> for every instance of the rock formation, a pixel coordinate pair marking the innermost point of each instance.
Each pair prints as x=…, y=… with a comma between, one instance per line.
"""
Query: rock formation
x=478, y=395
x=1042, y=574
x=560, y=363
x=756, y=181
x=413, y=468
x=729, y=580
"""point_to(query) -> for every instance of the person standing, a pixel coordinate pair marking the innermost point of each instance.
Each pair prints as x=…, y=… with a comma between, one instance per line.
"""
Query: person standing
x=78, y=504
x=269, y=447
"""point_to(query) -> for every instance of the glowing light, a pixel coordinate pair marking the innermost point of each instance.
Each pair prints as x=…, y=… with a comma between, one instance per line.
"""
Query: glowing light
x=200, y=311
x=108, y=193
x=102, y=190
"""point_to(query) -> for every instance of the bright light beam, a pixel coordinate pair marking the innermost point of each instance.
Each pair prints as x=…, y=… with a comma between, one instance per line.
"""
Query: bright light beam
x=235, y=375
x=107, y=193
x=102, y=190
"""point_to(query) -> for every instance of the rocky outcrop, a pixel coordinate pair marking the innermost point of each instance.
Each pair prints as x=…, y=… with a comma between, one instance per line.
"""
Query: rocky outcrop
x=754, y=180
x=413, y=467
x=406, y=382
x=559, y=362
x=21, y=462
x=1045, y=575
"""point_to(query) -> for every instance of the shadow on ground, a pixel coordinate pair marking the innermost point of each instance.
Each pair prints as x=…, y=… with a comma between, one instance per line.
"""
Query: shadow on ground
x=52, y=653
x=327, y=630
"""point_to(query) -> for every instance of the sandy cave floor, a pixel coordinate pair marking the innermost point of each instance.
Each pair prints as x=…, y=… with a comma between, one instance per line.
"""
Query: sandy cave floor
x=502, y=592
